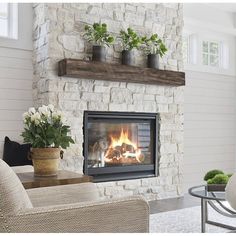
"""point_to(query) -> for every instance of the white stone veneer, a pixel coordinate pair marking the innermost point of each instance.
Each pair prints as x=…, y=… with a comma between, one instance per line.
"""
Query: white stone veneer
x=58, y=34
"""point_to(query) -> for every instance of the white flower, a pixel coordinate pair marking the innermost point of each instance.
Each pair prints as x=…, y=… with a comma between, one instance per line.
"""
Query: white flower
x=32, y=110
x=25, y=116
x=37, y=122
x=35, y=118
x=43, y=110
x=47, y=114
x=63, y=118
x=32, y=118
x=59, y=115
x=51, y=107
x=55, y=115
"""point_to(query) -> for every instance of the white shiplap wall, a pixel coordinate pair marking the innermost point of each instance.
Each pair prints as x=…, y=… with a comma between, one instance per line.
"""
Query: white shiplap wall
x=209, y=126
x=16, y=76
x=15, y=91
x=210, y=96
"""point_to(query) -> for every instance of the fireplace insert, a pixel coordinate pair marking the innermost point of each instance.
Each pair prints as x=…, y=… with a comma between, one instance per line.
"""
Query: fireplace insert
x=120, y=145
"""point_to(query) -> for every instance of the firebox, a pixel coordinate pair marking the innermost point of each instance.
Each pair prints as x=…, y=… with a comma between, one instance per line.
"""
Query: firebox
x=120, y=145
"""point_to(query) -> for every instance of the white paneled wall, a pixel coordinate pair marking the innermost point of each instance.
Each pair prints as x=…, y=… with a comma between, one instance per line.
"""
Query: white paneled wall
x=209, y=125
x=16, y=75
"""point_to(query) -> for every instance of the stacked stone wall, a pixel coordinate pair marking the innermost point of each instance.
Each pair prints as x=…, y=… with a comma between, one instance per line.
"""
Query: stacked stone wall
x=58, y=34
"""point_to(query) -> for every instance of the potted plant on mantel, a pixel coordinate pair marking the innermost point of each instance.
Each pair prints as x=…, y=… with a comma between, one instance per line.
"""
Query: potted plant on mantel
x=46, y=131
x=98, y=35
x=153, y=47
x=129, y=40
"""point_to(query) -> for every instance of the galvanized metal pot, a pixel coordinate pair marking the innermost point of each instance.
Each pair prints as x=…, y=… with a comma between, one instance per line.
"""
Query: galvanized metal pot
x=153, y=61
x=127, y=57
x=99, y=53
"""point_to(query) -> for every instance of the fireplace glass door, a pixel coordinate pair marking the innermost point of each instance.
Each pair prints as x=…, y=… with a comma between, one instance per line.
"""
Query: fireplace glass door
x=118, y=145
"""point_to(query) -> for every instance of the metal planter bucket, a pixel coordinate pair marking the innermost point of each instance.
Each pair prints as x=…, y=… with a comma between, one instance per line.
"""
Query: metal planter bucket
x=99, y=53
x=153, y=61
x=127, y=58
x=45, y=160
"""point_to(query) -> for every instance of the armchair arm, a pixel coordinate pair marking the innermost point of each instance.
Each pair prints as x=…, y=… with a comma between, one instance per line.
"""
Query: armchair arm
x=118, y=216
x=63, y=194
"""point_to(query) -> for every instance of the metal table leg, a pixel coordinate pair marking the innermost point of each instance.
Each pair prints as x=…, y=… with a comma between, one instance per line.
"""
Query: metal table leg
x=204, y=215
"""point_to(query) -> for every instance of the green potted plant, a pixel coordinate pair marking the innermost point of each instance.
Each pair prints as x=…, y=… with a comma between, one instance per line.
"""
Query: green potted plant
x=216, y=180
x=46, y=131
x=153, y=47
x=98, y=35
x=129, y=40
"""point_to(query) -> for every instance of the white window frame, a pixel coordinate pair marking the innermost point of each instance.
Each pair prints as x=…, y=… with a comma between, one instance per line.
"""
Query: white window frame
x=12, y=20
x=195, y=51
x=223, y=63
x=220, y=59
x=191, y=48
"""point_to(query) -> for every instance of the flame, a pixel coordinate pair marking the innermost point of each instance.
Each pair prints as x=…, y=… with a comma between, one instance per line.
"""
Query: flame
x=117, y=142
x=124, y=138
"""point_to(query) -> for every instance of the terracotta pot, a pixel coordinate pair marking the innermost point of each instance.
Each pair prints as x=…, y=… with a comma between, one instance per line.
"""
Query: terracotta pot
x=45, y=160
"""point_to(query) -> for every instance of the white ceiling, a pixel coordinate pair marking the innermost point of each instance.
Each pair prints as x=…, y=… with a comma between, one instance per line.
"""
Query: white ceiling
x=229, y=7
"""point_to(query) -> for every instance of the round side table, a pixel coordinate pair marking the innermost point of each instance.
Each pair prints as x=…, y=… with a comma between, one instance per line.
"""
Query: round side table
x=216, y=201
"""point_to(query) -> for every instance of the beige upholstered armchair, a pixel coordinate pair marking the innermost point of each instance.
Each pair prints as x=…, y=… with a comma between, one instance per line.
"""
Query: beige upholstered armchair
x=68, y=208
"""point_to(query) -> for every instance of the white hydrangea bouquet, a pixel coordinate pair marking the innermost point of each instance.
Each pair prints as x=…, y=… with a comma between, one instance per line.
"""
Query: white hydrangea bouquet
x=46, y=127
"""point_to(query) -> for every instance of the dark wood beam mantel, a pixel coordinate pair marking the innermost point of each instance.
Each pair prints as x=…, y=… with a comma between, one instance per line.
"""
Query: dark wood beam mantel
x=117, y=72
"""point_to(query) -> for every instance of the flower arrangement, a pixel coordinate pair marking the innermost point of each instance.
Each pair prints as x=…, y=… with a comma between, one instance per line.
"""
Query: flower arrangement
x=45, y=127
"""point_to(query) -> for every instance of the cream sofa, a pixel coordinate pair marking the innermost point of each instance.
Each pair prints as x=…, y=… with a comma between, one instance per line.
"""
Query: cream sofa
x=69, y=208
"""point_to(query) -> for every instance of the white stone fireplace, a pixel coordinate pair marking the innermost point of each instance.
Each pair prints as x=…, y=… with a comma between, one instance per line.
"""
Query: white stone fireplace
x=58, y=30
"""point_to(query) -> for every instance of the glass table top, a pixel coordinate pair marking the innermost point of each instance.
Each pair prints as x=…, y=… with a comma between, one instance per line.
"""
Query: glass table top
x=201, y=192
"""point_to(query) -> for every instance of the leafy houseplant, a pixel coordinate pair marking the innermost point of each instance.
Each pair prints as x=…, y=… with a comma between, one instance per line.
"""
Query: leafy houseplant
x=45, y=129
x=98, y=35
x=153, y=47
x=211, y=174
x=216, y=180
x=219, y=179
x=129, y=41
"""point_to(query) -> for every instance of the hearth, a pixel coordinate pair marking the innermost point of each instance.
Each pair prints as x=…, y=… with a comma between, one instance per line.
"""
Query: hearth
x=120, y=145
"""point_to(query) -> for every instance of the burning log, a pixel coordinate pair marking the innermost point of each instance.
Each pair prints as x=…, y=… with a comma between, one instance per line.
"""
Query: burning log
x=127, y=148
x=124, y=148
x=118, y=148
x=140, y=158
x=113, y=153
x=130, y=155
x=123, y=151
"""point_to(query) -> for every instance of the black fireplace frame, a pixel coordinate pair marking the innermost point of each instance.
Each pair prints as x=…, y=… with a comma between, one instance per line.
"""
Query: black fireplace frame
x=121, y=172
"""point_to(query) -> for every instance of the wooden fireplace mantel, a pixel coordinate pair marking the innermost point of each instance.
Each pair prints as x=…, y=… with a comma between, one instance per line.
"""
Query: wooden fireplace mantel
x=117, y=72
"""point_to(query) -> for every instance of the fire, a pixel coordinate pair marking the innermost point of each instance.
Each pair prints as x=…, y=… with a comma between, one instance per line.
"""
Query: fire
x=124, y=138
x=123, y=150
